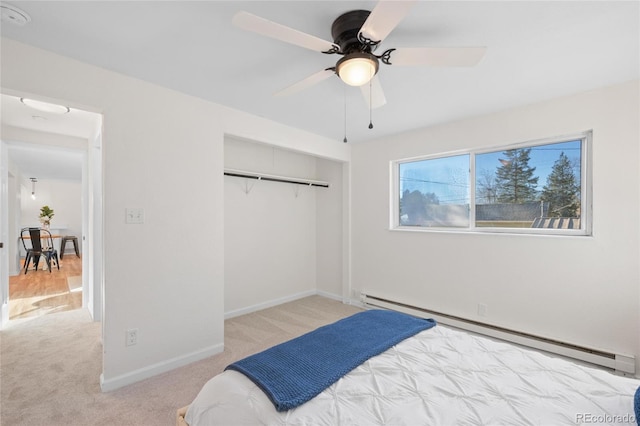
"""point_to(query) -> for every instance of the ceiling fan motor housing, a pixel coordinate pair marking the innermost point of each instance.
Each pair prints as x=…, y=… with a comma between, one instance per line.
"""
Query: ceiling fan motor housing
x=345, y=29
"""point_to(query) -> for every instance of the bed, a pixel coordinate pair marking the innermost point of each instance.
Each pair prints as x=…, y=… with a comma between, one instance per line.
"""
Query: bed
x=434, y=376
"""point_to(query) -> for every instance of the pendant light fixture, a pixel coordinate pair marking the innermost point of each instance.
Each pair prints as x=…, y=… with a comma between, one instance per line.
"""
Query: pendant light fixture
x=33, y=188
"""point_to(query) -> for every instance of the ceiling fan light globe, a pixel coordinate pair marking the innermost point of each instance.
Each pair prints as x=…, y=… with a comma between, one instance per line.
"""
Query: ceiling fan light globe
x=357, y=69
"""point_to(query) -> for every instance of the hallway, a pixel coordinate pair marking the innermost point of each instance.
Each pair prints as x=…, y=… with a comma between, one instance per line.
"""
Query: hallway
x=42, y=292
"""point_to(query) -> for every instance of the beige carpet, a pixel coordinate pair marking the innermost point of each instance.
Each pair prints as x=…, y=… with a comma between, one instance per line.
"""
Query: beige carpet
x=50, y=366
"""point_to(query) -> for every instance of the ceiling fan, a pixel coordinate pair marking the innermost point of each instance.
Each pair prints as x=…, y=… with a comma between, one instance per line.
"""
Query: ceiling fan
x=356, y=36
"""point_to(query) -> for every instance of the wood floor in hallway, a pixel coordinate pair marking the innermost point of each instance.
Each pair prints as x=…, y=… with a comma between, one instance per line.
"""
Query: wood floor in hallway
x=42, y=292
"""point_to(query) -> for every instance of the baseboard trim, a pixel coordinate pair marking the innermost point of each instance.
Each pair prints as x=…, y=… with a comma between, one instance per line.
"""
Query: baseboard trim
x=268, y=304
x=332, y=296
x=281, y=300
x=108, y=385
x=341, y=299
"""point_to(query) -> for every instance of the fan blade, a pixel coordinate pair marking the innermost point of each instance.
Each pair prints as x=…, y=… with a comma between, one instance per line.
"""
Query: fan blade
x=250, y=22
x=384, y=18
x=312, y=80
x=374, y=95
x=437, y=56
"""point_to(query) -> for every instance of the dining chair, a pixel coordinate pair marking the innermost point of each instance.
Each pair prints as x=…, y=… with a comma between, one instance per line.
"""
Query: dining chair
x=41, y=245
x=24, y=236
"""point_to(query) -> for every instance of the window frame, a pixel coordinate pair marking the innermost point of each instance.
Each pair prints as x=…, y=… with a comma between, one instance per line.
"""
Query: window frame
x=586, y=215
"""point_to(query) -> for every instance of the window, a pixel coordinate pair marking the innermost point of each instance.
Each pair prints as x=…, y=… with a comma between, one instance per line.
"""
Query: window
x=435, y=192
x=538, y=187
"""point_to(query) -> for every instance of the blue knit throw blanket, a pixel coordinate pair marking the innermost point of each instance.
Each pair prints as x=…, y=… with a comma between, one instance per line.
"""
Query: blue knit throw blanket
x=636, y=405
x=295, y=371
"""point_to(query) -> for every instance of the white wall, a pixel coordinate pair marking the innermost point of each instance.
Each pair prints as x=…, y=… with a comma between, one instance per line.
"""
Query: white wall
x=158, y=147
x=280, y=238
x=93, y=234
x=15, y=217
x=63, y=196
x=577, y=289
x=329, y=230
x=5, y=189
x=270, y=234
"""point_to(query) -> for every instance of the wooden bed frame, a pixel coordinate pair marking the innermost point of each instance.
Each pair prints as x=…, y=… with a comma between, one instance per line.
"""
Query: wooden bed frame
x=180, y=421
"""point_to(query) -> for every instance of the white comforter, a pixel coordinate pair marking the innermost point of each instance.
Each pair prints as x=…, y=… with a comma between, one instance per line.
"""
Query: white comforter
x=442, y=377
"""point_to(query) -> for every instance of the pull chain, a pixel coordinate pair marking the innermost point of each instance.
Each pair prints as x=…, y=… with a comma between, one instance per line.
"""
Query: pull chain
x=370, y=103
x=345, y=113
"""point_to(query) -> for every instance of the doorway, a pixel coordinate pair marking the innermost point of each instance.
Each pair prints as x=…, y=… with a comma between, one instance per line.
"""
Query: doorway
x=37, y=289
x=66, y=154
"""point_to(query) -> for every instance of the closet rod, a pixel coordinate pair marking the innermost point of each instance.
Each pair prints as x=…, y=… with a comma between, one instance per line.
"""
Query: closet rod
x=275, y=178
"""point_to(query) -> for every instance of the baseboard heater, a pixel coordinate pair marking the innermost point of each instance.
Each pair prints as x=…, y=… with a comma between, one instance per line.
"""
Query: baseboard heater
x=620, y=363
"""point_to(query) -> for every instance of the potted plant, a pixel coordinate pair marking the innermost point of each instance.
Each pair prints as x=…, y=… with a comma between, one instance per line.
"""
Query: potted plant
x=46, y=214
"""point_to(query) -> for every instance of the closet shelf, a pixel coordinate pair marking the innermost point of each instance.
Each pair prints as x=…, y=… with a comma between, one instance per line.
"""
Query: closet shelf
x=275, y=178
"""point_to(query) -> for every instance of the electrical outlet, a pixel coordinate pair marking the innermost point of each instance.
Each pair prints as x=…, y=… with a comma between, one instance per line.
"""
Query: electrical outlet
x=134, y=215
x=131, y=337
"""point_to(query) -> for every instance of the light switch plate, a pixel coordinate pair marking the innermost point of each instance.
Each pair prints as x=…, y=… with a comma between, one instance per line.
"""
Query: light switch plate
x=134, y=215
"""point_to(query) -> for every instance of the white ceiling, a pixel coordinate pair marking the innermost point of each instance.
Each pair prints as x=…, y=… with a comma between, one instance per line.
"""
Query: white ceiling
x=47, y=162
x=76, y=123
x=37, y=159
x=536, y=50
